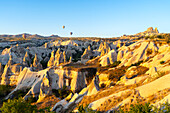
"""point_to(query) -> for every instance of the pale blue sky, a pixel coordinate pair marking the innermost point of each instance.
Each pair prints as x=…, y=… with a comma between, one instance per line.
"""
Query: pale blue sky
x=98, y=18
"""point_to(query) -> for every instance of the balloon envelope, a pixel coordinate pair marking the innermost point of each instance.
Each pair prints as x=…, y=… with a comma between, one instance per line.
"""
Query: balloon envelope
x=63, y=27
x=71, y=33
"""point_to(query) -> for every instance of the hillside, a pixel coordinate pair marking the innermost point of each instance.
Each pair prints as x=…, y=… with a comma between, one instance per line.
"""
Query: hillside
x=102, y=74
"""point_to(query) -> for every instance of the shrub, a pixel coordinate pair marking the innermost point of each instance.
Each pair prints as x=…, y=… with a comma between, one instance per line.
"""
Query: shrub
x=117, y=74
x=146, y=108
x=32, y=99
x=137, y=64
x=148, y=51
x=160, y=74
x=18, y=106
x=116, y=63
x=4, y=90
x=103, y=85
x=164, y=108
x=62, y=93
x=162, y=62
x=20, y=93
x=137, y=108
x=159, y=36
x=85, y=109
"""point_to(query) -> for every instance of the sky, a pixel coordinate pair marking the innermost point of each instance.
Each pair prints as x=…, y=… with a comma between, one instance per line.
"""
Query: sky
x=85, y=18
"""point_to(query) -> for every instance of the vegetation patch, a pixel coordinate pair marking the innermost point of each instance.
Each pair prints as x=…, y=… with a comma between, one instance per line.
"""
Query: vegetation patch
x=85, y=109
x=20, y=93
x=162, y=62
x=21, y=106
x=137, y=64
x=117, y=73
x=5, y=90
x=148, y=52
x=18, y=106
x=61, y=93
x=145, y=108
x=116, y=63
x=102, y=69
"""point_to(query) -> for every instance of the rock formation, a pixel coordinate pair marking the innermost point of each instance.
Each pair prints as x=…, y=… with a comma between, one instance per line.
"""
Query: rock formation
x=1, y=68
x=136, y=52
x=88, y=54
x=26, y=60
x=65, y=106
x=51, y=61
x=149, y=32
x=104, y=48
x=36, y=64
x=109, y=58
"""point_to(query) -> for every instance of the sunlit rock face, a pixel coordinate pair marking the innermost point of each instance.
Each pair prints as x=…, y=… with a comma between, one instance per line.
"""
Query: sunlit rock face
x=67, y=106
x=139, y=51
x=42, y=82
x=57, y=58
x=88, y=54
x=149, y=32
x=9, y=70
x=84, y=66
x=154, y=64
x=109, y=58
x=26, y=60
x=104, y=48
x=36, y=64
x=18, y=53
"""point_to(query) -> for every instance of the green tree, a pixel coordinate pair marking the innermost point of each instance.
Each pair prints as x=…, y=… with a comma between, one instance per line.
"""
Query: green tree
x=18, y=106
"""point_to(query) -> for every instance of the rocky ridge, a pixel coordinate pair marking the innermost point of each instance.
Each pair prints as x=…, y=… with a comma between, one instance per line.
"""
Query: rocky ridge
x=102, y=73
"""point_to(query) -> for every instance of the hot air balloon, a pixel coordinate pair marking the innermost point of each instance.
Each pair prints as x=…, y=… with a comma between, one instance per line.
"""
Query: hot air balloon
x=63, y=27
x=71, y=33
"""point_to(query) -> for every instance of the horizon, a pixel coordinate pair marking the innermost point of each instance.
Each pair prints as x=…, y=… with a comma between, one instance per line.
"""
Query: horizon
x=84, y=18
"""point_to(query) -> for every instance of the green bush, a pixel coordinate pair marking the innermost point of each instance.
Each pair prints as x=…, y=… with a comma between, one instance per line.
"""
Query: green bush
x=162, y=62
x=18, y=106
x=4, y=90
x=148, y=51
x=20, y=93
x=32, y=99
x=146, y=108
x=116, y=63
x=62, y=93
x=137, y=64
x=85, y=109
